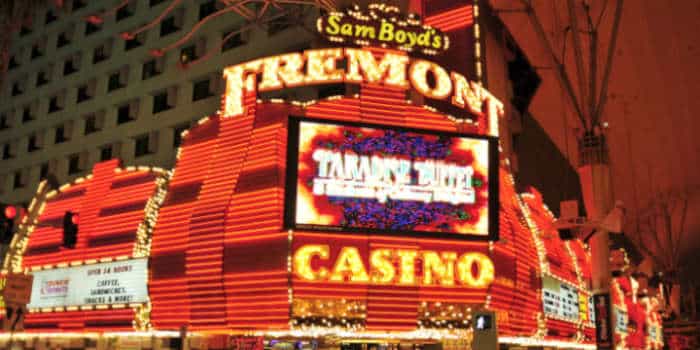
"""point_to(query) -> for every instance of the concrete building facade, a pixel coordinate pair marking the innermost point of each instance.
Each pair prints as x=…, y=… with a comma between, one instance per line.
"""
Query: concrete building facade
x=77, y=93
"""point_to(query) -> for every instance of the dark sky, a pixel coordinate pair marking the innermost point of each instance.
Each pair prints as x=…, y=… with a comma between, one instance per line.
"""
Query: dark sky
x=653, y=98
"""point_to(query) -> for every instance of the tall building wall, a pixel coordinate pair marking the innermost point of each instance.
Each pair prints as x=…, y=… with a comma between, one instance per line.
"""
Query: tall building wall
x=21, y=170
x=152, y=136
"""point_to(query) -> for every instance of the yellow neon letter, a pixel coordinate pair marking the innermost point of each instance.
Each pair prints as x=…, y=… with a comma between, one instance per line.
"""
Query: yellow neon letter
x=494, y=111
x=349, y=263
x=382, y=268
x=407, y=266
x=302, y=261
x=239, y=80
x=419, y=79
x=333, y=27
x=443, y=268
x=484, y=266
x=467, y=94
x=392, y=63
x=321, y=66
x=287, y=67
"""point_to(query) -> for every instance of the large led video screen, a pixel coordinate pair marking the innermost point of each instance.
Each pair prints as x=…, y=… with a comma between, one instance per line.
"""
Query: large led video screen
x=348, y=177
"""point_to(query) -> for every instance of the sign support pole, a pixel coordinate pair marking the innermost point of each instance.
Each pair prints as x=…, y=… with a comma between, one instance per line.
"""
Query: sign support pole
x=594, y=174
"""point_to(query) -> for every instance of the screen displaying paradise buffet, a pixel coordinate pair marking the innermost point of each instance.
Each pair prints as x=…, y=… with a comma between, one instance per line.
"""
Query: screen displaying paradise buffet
x=350, y=177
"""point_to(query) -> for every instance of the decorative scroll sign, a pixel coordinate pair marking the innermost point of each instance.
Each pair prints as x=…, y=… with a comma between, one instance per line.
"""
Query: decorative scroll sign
x=382, y=26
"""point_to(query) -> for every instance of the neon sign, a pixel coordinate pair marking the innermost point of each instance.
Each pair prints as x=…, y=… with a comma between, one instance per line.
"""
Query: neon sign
x=342, y=174
x=312, y=262
x=382, y=26
x=350, y=177
x=322, y=66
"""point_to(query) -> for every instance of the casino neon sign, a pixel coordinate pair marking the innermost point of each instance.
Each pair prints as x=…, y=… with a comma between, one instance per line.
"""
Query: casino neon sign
x=313, y=262
x=345, y=174
x=393, y=69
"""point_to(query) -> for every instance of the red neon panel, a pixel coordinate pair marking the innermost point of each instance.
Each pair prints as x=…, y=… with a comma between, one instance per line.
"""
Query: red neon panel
x=111, y=205
x=457, y=18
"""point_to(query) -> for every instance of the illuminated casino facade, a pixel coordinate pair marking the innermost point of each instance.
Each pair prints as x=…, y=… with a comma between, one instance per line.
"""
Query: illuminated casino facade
x=386, y=214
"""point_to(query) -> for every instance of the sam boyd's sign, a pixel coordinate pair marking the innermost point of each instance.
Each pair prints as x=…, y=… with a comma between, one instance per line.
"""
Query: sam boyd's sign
x=385, y=26
x=120, y=282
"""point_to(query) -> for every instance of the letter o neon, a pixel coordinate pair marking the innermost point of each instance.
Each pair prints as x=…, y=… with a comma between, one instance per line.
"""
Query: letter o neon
x=419, y=78
x=400, y=36
x=484, y=266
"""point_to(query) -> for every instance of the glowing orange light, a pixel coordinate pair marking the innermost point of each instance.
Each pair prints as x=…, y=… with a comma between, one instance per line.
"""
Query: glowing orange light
x=10, y=212
x=75, y=219
x=475, y=270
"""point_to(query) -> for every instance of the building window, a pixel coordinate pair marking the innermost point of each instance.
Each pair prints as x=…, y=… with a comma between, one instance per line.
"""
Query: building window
x=177, y=134
x=117, y=80
x=78, y=4
x=91, y=28
x=17, y=89
x=42, y=77
x=7, y=151
x=105, y=153
x=19, y=180
x=164, y=101
x=27, y=115
x=63, y=39
x=34, y=143
x=131, y=44
x=86, y=91
x=12, y=64
x=55, y=103
x=168, y=26
x=201, y=90
x=137, y=41
x=37, y=51
x=123, y=115
x=24, y=31
x=114, y=82
x=43, y=171
x=145, y=145
x=3, y=122
x=231, y=40
x=152, y=68
x=124, y=12
x=71, y=65
x=61, y=135
x=188, y=54
x=193, y=52
x=74, y=164
x=50, y=17
x=207, y=8
x=98, y=55
x=277, y=25
x=127, y=112
x=92, y=124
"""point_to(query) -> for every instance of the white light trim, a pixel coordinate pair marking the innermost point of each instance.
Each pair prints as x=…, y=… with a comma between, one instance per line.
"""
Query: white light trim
x=525, y=341
x=345, y=333
x=30, y=335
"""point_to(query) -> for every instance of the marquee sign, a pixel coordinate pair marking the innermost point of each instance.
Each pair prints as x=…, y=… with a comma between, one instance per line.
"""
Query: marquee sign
x=120, y=282
x=563, y=300
x=393, y=69
x=405, y=267
x=350, y=177
x=382, y=26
